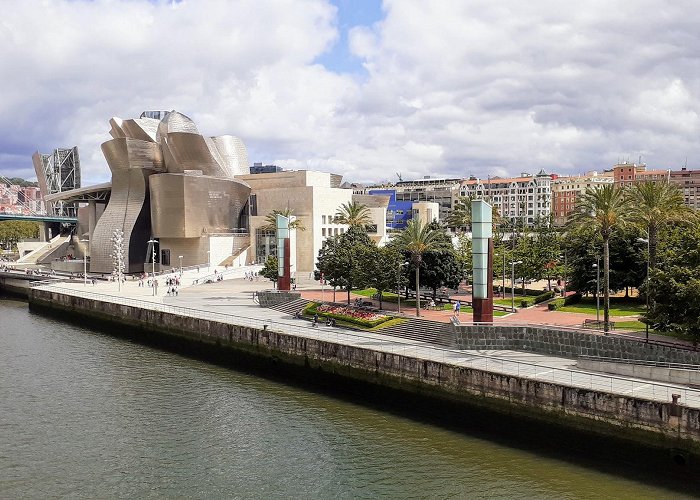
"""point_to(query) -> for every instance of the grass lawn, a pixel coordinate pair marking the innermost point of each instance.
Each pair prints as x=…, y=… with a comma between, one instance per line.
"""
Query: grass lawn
x=638, y=326
x=518, y=299
x=618, y=307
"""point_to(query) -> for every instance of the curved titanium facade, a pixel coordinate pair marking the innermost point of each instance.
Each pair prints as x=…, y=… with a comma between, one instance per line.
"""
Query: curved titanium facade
x=171, y=183
x=131, y=161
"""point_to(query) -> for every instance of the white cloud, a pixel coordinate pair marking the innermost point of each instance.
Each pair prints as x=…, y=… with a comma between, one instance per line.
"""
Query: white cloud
x=453, y=88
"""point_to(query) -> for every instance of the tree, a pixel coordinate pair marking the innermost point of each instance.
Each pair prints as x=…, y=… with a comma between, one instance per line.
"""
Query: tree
x=656, y=204
x=675, y=281
x=12, y=231
x=340, y=258
x=606, y=209
x=270, y=269
x=440, y=268
x=271, y=220
x=353, y=214
x=460, y=217
x=381, y=269
x=418, y=239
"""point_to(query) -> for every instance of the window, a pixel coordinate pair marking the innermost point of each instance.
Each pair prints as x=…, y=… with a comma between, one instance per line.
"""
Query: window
x=323, y=220
x=165, y=257
x=253, y=204
x=323, y=229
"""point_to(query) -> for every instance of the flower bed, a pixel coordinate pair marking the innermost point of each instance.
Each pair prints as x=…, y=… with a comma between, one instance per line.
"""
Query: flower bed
x=347, y=314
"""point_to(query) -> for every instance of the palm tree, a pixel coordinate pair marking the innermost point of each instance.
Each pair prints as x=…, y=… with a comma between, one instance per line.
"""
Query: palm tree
x=271, y=220
x=654, y=205
x=605, y=209
x=461, y=214
x=353, y=214
x=417, y=239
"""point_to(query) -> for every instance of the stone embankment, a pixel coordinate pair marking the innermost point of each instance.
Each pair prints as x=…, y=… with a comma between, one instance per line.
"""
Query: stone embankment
x=659, y=425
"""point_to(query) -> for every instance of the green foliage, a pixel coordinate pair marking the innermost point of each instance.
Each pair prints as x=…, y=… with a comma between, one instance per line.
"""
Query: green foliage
x=381, y=269
x=341, y=259
x=270, y=270
x=556, y=304
x=627, y=259
x=574, y=298
x=353, y=214
x=18, y=181
x=606, y=210
x=544, y=297
x=418, y=239
x=271, y=220
x=675, y=282
x=12, y=231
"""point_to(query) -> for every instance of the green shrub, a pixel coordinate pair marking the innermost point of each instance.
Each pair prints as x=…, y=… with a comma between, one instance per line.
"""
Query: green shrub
x=556, y=304
x=573, y=299
x=544, y=296
x=519, y=291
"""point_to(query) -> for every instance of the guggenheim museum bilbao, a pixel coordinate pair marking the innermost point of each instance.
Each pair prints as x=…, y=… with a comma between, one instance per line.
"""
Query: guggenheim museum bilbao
x=189, y=199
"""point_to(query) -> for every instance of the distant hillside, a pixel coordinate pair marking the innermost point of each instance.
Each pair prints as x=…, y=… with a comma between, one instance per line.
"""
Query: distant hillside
x=20, y=181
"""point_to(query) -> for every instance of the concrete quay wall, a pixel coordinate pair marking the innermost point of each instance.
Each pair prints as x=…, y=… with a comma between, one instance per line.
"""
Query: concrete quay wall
x=660, y=425
x=567, y=343
x=14, y=285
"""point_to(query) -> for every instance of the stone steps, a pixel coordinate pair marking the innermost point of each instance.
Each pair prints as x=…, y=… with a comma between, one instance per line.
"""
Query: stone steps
x=423, y=330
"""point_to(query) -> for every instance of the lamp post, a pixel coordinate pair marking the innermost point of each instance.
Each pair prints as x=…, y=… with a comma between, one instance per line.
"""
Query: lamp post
x=512, y=283
x=84, y=264
x=153, y=242
x=180, y=257
x=398, y=286
x=646, y=324
x=596, y=266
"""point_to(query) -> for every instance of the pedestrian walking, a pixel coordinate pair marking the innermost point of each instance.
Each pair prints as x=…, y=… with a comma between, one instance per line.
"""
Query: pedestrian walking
x=458, y=306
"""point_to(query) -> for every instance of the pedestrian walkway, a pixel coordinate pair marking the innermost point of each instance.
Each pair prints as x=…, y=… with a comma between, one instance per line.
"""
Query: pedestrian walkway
x=232, y=301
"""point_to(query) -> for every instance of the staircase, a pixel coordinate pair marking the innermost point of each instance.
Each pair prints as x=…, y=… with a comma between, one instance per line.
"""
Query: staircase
x=423, y=330
x=292, y=307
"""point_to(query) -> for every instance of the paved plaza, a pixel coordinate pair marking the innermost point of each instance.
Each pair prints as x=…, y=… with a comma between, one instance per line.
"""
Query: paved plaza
x=232, y=300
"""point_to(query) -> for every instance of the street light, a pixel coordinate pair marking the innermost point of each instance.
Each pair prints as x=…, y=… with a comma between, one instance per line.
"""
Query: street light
x=646, y=324
x=153, y=242
x=398, y=286
x=512, y=283
x=180, y=257
x=596, y=266
x=84, y=264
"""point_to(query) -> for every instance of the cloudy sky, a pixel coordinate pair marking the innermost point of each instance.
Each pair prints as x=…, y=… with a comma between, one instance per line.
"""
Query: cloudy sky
x=365, y=88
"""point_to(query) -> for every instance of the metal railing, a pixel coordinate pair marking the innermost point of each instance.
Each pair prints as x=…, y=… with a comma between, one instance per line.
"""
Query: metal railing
x=625, y=361
x=377, y=342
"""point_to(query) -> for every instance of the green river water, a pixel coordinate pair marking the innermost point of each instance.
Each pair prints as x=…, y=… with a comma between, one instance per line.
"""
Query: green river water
x=86, y=415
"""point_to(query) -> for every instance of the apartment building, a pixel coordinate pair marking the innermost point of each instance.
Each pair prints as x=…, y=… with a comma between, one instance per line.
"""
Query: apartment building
x=626, y=174
x=688, y=181
x=567, y=190
x=523, y=198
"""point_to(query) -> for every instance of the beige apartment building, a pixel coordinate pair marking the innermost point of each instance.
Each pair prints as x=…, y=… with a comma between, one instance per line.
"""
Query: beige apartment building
x=522, y=198
x=567, y=190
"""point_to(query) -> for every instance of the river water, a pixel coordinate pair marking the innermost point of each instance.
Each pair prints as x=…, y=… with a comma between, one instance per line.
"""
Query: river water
x=85, y=415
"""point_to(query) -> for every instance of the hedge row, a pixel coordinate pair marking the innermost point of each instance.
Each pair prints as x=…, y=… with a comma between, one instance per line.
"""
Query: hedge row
x=518, y=290
x=544, y=296
x=311, y=309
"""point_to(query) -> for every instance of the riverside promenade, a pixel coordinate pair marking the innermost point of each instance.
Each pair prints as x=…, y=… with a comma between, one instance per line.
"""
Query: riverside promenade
x=232, y=301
